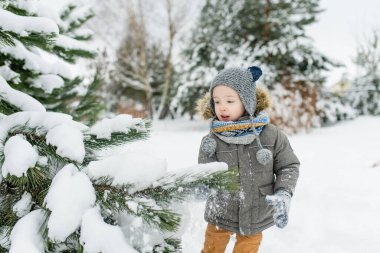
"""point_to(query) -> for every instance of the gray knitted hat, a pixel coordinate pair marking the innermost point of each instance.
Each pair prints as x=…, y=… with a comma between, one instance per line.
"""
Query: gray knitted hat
x=243, y=82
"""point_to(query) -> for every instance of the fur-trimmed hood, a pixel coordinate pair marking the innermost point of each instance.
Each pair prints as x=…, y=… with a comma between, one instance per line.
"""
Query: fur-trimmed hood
x=262, y=96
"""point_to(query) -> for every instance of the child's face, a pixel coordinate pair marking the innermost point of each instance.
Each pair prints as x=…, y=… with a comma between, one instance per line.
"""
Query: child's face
x=227, y=103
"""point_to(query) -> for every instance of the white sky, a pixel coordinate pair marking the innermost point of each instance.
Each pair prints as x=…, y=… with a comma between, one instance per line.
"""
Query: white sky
x=340, y=28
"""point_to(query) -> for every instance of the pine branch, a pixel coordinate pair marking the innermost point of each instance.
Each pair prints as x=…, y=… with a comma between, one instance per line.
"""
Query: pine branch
x=12, y=190
x=2, y=156
x=171, y=245
x=7, y=108
x=82, y=37
x=70, y=245
x=5, y=233
x=8, y=217
x=66, y=14
x=3, y=250
x=14, y=9
x=71, y=55
x=172, y=187
x=151, y=203
x=60, y=99
x=225, y=180
x=6, y=39
x=113, y=200
x=36, y=137
x=69, y=10
x=17, y=65
x=35, y=182
x=164, y=219
x=79, y=22
x=90, y=104
x=117, y=138
x=40, y=40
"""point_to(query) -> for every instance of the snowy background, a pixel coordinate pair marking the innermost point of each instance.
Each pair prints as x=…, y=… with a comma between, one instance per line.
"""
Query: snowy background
x=336, y=205
x=340, y=27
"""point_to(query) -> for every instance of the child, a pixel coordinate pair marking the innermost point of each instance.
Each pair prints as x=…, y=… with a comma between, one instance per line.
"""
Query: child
x=242, y=137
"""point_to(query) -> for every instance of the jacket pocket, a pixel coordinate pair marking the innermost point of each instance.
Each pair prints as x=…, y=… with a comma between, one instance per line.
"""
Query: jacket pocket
x=229, y=157
x=265, y=210
x=223, y=206
x=266, y=190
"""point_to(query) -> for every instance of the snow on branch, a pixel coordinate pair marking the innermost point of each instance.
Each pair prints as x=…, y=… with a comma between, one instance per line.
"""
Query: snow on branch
x=191, y=174
x=26, y=235
x=122, y=123
x=61, y=131
x=139, y=169
x=48, y=82
x=23, y=206
x=19, y=156
x=33, y=61
x=8, y=74
x=18, y=98
x=70, y=195
x=44, y=121
x=69, y=43
x=98, y=236
x=22, y=25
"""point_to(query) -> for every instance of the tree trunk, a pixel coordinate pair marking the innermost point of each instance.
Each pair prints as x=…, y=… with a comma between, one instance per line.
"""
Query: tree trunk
x=267, y=25
x=144, y=61
x=165, y=100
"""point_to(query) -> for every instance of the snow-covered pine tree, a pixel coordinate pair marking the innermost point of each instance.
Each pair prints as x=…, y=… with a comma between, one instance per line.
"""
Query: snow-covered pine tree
x=138, y=73
x=53, y=79
x=57, y=194
x=139, y=70
x=207, y=52
x=144, y=72
x=267, y=33
x=334, y=107
x=364, y=93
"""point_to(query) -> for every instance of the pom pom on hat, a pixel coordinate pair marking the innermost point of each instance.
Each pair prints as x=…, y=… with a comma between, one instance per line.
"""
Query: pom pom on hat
x=264, y=156
x=208, y=146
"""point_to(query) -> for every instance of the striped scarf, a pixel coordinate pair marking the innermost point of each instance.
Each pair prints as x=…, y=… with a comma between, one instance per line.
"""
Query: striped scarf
x=240, y=132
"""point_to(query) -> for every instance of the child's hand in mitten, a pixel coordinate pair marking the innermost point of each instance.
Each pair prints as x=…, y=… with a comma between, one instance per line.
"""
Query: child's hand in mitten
x=281, y=204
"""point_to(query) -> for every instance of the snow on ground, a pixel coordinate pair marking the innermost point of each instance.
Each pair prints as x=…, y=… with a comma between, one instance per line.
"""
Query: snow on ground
x=336, y=205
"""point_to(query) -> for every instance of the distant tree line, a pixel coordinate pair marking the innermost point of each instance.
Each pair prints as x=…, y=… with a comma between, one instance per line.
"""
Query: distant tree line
x=150, y=79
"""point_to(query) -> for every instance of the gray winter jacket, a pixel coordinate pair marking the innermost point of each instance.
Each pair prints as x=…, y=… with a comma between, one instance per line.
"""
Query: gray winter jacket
x=246, y=211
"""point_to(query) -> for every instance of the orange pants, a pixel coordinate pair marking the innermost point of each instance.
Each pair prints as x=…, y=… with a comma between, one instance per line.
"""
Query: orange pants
x=216, y=241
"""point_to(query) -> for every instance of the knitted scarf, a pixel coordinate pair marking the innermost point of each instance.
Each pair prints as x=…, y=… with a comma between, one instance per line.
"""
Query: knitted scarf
x=240, y=132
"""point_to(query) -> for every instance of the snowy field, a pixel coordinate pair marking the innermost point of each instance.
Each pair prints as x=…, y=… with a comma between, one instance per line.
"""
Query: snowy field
x=336, y=206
